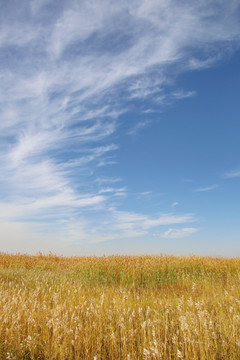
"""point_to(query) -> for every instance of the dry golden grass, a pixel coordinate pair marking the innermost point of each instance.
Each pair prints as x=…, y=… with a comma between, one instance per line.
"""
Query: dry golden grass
x=119, y=308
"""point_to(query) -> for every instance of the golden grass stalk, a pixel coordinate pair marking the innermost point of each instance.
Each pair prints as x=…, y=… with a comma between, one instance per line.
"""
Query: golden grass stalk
x=150, y=307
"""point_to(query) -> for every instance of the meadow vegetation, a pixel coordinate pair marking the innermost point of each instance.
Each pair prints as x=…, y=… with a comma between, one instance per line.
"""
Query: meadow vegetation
x=150, y=307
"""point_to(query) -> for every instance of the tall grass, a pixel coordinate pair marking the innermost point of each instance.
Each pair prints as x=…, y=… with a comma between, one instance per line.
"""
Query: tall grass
x=119, y=308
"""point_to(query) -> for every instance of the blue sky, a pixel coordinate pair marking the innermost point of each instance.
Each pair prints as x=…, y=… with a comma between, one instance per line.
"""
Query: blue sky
x=119, y=127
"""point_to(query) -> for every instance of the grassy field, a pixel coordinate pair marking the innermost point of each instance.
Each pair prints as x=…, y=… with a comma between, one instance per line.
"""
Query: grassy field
x=119, y=308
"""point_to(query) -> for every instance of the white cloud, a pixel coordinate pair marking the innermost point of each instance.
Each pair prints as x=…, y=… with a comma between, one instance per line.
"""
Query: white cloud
x=207, y=188
x=107, y=180
x=67, y=199
x=140, y=125
x=180, y=94
x=131, y=220
x=197, y=64
x=112, y=190
x=63, y=204
x=232, y=174
x=179, y=233
x=144, y=193
x=68, y=232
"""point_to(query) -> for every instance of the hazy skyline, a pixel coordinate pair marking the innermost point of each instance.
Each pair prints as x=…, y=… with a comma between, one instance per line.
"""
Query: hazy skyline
x=119, y=129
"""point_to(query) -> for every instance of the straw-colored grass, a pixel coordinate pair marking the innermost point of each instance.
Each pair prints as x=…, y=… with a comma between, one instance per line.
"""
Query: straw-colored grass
x=119, y=308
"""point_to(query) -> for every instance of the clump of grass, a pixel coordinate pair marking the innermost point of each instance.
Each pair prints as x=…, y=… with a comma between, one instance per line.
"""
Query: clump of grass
x=119, y=308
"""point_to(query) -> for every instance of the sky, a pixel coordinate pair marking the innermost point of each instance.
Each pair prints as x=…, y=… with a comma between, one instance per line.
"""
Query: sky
x=119, y=127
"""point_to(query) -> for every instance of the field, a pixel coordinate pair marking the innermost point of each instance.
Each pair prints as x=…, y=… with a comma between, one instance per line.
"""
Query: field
x=151, y=307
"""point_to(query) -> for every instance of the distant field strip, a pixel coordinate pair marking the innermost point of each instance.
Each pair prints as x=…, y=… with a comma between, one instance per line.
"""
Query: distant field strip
x=150, y=307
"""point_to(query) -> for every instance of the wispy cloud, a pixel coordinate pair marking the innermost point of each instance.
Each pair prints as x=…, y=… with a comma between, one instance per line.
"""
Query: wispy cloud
x=130, y=220
x=179, y=233
x=207, y=188
x=199, y=64
x=180, y=94
x=232, y=174
x=107, y=180
x=144, y=193
x=140, y=125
